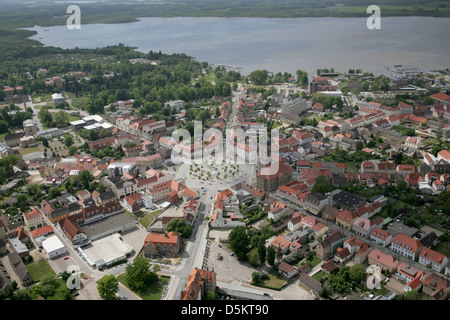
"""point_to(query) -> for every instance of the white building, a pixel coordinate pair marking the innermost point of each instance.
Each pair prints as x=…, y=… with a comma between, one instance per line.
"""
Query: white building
x=53, y=247
x=57, y=98
x=117, y=169
x=435, y=260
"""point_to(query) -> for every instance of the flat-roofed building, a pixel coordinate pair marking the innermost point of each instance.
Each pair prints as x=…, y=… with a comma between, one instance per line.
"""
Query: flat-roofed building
x=53, y=247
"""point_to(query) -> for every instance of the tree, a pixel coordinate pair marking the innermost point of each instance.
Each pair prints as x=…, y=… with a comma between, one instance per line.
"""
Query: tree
x=85, y=178
x=239, y=241
x=271, y=255
x=262, y=252
x=107, y=287
x=254, y=258
x=357, y=273
x=72, y=150
x=61, y=119
x=68, y=140
x=359, y=145
x=138, y=274
x=258, y=77
x=413, y=295
x=179, y=225
x=302, y=77
x=256, y=277
x=428, y=100
x=279, y=253
x=4, y=126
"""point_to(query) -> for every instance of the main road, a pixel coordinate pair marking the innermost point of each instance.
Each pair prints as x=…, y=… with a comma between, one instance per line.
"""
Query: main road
x=196, y=247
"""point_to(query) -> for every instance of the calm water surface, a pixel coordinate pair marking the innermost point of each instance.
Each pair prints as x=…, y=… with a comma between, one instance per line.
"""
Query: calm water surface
x=277, y=45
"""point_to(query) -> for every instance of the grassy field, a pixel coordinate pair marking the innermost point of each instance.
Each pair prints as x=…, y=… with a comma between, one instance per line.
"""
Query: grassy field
x=149, y=218
x=40, y=269
x=443, y=247
x=274, y=282
x=146, y=220
x=313, y=260
x=152, y=292
x=319, y=275
x=24, y=151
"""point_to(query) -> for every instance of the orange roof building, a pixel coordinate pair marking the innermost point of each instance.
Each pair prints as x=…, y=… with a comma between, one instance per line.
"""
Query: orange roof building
x=200, y=282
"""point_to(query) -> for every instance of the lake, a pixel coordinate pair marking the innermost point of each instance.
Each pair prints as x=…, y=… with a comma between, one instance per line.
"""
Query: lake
x=274, y=44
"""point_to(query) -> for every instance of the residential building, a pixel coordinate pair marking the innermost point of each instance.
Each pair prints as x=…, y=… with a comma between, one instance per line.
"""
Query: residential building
x=268, y=179
x=363, y=226
x=190, y=211
x=101, y=143
x=327, y=247
x=34, y=219
x=287, y=270
x=309, y=283
x=382, y=260
x=406, y=246
x=436, y=286
x=381, y=236
x=408, y=274
x=166, y=244
x=435, y=260
x=20, y=269
x=296, y=221
x=345, y=219
x=319, y=230
x=132, y=203
x=13, y=140
x=200, y=282
x=314, y=202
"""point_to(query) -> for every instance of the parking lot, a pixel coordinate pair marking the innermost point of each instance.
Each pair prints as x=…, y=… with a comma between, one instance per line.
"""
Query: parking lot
x=229, y=268
x=88, y=290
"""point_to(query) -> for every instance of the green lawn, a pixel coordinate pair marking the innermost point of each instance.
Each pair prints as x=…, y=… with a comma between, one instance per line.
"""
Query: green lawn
x=275, y=282
x=146, y=220
x=443, y=247
x=152, y=292
x=29, y=150
x=40, y=269
x=319, y=275
x=149, y=217
x=60, y=289
x=73, y=118
x=313, y=260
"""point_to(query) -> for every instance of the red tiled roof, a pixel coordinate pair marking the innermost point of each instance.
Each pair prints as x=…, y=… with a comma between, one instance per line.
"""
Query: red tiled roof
x=40, y=231
x=406, y=242
x=432, y=255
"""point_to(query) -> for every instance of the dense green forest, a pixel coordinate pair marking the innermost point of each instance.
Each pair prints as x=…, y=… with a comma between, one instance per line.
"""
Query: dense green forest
x=112, y=77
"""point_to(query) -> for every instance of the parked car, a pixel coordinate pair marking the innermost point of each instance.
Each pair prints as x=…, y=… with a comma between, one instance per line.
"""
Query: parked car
x=65, y=258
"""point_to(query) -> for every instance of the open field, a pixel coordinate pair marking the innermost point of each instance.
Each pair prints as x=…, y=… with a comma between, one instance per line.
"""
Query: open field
x=40, y=269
